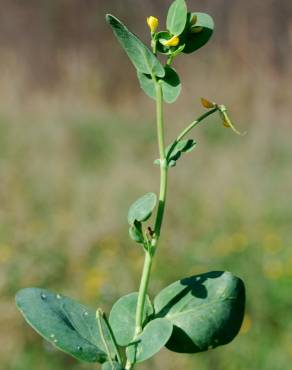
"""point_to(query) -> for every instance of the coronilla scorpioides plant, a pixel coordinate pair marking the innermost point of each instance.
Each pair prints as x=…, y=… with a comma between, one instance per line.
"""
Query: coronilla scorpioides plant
x=191, y=315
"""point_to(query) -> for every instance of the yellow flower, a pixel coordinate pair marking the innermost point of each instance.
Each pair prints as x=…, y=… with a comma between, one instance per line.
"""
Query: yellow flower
x=152, y=23
x=174, y=41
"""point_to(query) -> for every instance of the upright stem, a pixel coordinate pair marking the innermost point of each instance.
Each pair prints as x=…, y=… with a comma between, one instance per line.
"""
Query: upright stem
x=142, y=292
x=160, y=212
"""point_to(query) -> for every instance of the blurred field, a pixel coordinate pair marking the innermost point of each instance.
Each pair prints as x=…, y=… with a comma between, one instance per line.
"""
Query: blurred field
x=77, y=143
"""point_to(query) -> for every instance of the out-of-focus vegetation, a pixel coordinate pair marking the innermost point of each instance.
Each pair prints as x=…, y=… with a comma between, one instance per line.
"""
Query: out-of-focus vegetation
x=77, y=144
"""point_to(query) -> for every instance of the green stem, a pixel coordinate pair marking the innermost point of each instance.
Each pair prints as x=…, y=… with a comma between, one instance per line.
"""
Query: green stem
x=190, y=127
x=142, y=292
x=195, y=123
x=160, y=212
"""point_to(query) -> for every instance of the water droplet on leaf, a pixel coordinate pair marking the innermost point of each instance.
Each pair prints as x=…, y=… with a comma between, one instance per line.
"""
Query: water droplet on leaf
x=43, y=296
x=79, y=348
x=58, y=296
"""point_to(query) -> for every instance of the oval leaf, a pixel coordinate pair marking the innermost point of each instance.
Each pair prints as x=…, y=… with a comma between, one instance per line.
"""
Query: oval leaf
x=46, y=313
x=154, y=336
x=142, y=209
x=171, y=86
x=206, y=310
x=142, y=58
x=177, y=17
x=195, y=40
x=123, y=315
x=136, y=232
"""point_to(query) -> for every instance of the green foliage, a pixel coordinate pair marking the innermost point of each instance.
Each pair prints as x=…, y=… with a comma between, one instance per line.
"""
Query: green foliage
x=177, y=17
x=197, y=35
x=122, y=317
x=190, y=315
x=65, y=323
x=142, y=58
x=206, y=310
x=141, y=210
x=171, y=86
x=175, y=150
x=136, y=232
x=154, y=336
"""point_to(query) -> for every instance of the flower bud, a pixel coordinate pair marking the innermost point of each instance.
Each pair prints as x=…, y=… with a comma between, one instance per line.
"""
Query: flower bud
x=174, y=41
x=152, y=23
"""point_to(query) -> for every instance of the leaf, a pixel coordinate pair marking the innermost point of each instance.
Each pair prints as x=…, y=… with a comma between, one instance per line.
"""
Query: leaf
x=113, y=366
x=206, y=310
x=171, y=86
x=142, y=58
x=85, y=322
x=194, y=41
x=175, y=150
x=48, y=314
x=136, y=233
x=154, y=336
x=177, y=17
x=142, y=209
x=123, y=315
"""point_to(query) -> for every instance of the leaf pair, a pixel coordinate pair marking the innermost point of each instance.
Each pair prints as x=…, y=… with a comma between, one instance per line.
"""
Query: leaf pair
x=193, y=28
x=170, y=83
x=155, y=333
x=197, y=313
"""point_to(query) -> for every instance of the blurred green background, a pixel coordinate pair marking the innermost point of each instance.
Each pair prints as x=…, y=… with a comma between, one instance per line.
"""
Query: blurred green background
x=77, y=144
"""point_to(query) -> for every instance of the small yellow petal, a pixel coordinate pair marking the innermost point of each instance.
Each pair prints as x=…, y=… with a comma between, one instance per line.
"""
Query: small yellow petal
x=152, y=23
x=174, y=41
x=207, y=104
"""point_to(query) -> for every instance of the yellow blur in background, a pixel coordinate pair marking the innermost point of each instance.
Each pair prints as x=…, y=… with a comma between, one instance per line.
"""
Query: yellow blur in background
x=77, y=144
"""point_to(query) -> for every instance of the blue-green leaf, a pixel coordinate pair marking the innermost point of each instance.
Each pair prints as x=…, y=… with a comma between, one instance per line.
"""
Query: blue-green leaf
x=136, y=232
x=197, y=35
x=65, y=323
x=206, y=310
x=171, y=86
x=122, y=317
x=177, y=17
x=154, y=336
x=142, y=208
x=142, y=58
